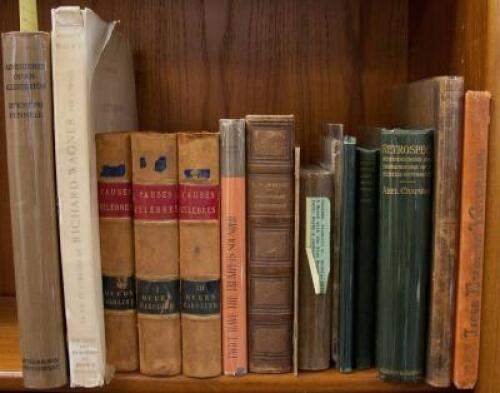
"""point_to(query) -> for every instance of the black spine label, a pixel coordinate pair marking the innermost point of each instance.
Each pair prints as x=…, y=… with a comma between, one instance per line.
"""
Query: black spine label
x=119, y=292
x=160, y=297
x=201, y=297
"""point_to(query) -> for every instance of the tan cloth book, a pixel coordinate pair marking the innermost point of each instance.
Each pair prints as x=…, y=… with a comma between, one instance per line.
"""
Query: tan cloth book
x=30, y=159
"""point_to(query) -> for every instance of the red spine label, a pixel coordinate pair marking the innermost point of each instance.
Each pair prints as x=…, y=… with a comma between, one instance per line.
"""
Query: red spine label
x=155, y=202
x=115, y=200
x=198, y=202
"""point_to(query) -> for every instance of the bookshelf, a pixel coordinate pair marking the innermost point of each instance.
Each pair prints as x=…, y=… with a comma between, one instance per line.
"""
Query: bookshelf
x=364, y=381
x=197, y=61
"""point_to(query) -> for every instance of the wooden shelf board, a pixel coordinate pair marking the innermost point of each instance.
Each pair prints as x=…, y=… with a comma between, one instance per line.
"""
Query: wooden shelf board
x=327, y=381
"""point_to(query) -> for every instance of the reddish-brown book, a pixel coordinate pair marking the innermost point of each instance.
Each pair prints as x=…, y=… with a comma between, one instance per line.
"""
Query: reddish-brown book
x=155, y=193
x=117, y=249
x=233, y=247
x=270, y=230
x=471, y=249
x=199, y=239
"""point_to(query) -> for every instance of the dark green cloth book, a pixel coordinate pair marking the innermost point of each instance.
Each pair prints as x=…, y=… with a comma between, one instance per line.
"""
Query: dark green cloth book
x=366, y=256
x=405, y=228
x=347, y=228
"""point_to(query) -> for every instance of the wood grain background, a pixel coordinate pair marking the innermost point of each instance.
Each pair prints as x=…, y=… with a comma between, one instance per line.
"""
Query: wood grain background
x=198, y=61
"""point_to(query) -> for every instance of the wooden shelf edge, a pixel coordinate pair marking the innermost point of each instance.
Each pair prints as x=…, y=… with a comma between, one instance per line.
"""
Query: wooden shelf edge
x=325, y=381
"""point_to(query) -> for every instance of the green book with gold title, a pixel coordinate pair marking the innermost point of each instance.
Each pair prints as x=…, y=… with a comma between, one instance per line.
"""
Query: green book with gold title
x=405, y=228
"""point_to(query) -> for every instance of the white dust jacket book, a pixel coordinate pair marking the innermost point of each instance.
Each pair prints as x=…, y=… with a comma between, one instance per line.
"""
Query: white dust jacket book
x=94, y=91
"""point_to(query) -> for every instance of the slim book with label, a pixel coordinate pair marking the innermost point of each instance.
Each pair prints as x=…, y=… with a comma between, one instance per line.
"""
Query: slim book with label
x=365, y=256
x=233, y=246
x=471, y=255
x=30, y=159
x=93, y=92
x=315, y=298
x=347, y=254
x=438, y=103
x=199, y=237
x=156, y=227
x=405, y=231
x=114, y=177
x=270, y=231
x=332, y=140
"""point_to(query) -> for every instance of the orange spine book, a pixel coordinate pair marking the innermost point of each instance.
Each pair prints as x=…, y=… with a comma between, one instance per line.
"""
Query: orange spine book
x=117, y=249
x=471, y=251
x=155, y=193
x=233, y=251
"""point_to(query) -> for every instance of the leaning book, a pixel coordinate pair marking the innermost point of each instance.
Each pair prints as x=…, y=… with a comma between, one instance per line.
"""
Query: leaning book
x=30, y=158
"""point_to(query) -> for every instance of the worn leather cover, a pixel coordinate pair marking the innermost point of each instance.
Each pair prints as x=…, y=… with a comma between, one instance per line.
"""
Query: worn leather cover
x=347, y=254
x=270, y=231
x=332, y=139
x=365, y=269
x=315, y=310
x=233, y=246
x=30, y=159
x=438, y=103
x=117, y=249
x=405, y=226
x=199, y=235
x=155, y=192
x=471, y=255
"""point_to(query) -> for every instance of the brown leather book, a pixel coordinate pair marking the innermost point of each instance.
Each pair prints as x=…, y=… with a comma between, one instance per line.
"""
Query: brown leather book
x=315, y=286
x=471, y=255
x=199, y=236
x=30, y=159
x=117, y=249
x=438, y=103
x=233, y=246
x=155, y=194
x=270, y=231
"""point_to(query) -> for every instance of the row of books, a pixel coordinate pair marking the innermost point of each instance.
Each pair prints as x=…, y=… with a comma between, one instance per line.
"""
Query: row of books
x=208, y=253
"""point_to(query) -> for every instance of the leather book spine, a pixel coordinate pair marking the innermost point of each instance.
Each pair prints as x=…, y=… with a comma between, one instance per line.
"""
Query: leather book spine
x=270, y=231
x=114, y=187
x=233, y=246
x=347, y=238
x=199, y=234
x=156, y=228
x=448, y=142
x=405, y=227
x=366, y=256
x=332, y=159
x=471, y=249
x=315, y=297
x=30, y=158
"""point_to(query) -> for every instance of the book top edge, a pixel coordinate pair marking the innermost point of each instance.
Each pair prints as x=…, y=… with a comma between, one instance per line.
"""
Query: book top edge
x=401, y=131
x=26, y=33
x=269, y=117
